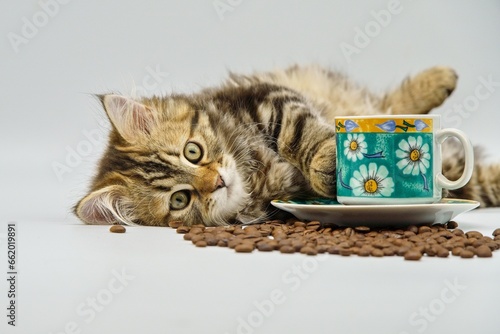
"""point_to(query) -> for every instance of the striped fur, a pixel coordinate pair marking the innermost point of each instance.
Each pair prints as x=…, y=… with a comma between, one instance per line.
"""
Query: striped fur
x=261, y=137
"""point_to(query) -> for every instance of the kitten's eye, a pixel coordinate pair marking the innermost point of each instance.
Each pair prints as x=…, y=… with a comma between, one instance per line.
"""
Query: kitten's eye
x=179, y=200
x=193, y=152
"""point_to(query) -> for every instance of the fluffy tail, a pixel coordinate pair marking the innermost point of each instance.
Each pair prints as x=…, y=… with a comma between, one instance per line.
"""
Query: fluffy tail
x=484, y=185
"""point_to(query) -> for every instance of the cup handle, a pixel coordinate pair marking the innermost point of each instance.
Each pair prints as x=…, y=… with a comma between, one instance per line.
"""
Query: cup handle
x=441, y=180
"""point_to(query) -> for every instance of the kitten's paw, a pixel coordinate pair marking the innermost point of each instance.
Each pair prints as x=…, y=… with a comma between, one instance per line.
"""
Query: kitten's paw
x=441, y=80
x=423, y=92
x=434, y=86
x=322, y=172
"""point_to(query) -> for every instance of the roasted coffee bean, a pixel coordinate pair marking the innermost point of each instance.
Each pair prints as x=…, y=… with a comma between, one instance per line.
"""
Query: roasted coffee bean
x=264, y=246
x=363, y=251
x=389, y=251
x=413, y=255
x=412, y=228
x=474, y=234
x=201, y=243
x=466, y=254
x=496, y=232
x=442, y=252
x=314, y=225
x=308, y=250
x=183, y=229
x=423, y=229
x=197, y=237
x=234, y=242
x=451, y=225
x=287, y=249
x=362, y=229
x=196, y=230
x=211, y=240
x=175, y=223
x=457, y=251
x=377, y=252
x=117, y=229
x=345, y=251
x=299, y=224
x=244, y=247
x=348, y=231
x=483, y=251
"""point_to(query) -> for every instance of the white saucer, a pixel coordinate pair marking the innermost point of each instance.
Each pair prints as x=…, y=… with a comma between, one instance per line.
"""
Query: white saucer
x=330, y=211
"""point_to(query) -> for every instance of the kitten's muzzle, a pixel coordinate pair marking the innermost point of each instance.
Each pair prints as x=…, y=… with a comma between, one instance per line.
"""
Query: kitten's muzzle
x=208, y=180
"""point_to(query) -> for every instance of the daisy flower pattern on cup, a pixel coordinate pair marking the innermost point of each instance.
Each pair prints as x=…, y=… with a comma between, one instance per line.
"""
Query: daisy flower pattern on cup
x=414, y=156
x=355, y=146
x=372, y=181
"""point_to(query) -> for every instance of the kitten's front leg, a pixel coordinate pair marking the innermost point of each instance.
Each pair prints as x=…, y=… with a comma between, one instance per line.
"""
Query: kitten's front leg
x=308, y=143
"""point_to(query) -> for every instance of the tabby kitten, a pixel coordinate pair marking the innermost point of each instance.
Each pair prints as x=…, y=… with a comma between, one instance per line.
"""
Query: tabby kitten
x=220, y=156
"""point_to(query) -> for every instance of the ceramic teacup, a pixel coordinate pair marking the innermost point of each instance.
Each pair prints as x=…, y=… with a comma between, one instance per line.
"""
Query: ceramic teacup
x=394, y=159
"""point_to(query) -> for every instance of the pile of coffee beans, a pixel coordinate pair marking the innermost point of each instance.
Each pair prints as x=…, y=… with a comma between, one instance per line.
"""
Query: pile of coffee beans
x=312, y=238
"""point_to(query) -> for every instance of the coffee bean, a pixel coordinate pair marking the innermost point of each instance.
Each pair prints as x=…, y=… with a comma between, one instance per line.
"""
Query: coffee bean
x=264, y=246
x=412, y=228
x=234, y=242
x=474, y=234
x=244, y=247
x=211, y=240
x=197, y=237
x=175, y=223
x=345, y=251
x=413, y=255
x=389, y=251
x=348, y=231
x=362, y=229
x=377, y=252
x=496, y=232
x=287, y=249
x=451, y=225
x=117, y=229
x=363, y=251
x=483, y=251
x=308, y=250
x=314, y=225
x=299, y=224
x=183, y=229
x=201, y=243
x=466, y=254
x=423, y=229
x=442, y=252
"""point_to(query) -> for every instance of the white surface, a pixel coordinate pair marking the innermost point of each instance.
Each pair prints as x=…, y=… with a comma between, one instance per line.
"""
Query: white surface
x=174, y=287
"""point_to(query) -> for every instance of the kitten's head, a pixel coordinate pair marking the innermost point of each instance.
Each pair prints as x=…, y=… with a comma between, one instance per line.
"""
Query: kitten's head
x=168, y=159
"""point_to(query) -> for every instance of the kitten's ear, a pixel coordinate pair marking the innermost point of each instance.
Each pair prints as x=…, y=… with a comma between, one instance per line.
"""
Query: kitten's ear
x=130, y=118
x=104, y=206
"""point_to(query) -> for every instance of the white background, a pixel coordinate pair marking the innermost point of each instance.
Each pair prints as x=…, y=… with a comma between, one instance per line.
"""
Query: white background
x=91, y=47
x=88, y=47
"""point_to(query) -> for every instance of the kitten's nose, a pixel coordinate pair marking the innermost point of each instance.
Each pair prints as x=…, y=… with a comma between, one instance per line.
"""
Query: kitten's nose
x=219, y=183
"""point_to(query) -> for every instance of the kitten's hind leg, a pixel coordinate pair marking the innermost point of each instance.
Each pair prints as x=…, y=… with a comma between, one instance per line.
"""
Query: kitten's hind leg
x=421, y=93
